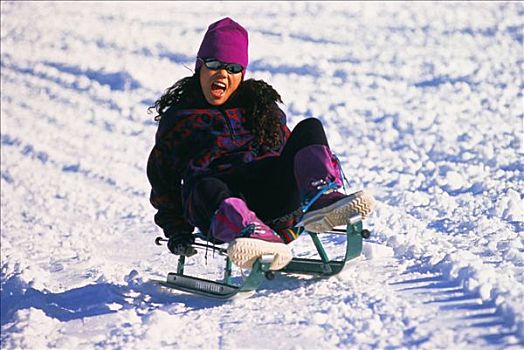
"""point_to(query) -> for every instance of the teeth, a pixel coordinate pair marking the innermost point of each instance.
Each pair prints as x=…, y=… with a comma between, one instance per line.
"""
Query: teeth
x=220, y=85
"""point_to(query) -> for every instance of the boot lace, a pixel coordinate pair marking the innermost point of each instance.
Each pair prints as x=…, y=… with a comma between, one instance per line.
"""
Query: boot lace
x=253, y=228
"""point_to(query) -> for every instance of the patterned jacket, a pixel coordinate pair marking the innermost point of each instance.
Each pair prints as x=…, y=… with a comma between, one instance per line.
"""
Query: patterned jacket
x=194, y=142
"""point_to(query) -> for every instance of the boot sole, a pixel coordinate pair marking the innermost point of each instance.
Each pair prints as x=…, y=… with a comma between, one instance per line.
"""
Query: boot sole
x=243, y=252
x=338, y=213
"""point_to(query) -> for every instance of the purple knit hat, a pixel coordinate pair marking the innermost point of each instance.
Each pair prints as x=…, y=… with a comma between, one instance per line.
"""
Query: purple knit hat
x=225, y=40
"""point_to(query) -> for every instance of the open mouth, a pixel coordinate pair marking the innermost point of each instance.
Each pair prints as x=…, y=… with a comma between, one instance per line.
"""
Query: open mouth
x=218, y=89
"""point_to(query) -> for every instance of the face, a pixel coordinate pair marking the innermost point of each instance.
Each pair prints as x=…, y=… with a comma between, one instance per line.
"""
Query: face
x=218, y=85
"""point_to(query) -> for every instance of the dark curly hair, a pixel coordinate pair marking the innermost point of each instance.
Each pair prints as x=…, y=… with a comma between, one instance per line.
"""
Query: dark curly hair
x=184, y=91
x=260, y=100
x=258, y=97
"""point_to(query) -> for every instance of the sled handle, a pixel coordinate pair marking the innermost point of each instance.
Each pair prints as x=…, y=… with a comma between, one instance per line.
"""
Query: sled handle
x=159, y=240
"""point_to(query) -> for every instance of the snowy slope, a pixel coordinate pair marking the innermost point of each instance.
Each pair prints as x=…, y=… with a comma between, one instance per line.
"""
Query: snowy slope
x=422, y=103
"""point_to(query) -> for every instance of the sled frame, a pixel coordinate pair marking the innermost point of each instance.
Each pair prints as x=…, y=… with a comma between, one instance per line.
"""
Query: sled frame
x=225, y=289
x=219, y=289
x=325, y=267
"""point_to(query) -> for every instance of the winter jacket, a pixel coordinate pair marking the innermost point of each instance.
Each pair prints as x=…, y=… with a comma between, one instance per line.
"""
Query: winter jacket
x=195, y=142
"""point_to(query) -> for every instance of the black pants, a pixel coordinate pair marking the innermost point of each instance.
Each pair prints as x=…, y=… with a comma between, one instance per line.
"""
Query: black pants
x=268, y=186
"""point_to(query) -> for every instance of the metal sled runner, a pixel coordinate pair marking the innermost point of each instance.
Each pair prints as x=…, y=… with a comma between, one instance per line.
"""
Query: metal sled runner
x=226, y=289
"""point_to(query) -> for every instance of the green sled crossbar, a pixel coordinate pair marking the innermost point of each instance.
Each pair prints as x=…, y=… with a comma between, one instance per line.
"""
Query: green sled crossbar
x=326, y=267
x=226, y=289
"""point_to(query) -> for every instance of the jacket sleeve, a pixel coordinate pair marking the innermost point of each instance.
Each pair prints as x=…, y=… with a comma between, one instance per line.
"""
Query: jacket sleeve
x=166, y=191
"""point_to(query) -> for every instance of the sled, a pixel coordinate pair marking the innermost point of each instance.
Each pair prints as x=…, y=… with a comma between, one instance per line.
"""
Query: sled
x=226, y=289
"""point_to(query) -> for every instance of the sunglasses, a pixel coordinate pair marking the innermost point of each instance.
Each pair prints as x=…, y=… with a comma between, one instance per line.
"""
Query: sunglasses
x=214, y=64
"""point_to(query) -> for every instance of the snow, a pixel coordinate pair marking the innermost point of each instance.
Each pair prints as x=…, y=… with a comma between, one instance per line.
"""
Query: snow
x=422, y=102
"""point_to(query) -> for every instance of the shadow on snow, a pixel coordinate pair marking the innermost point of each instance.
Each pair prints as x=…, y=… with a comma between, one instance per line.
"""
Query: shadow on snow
x=90, y=300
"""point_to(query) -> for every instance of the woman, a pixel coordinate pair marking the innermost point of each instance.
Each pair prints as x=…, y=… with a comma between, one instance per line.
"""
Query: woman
x=225, y=162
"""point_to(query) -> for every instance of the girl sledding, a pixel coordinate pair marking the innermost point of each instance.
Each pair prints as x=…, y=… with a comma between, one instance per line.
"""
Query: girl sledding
x=226, y=163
